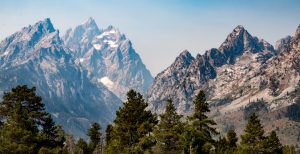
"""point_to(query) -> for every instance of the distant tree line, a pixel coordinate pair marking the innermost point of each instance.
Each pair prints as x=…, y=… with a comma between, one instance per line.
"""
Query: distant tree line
x=27, y=128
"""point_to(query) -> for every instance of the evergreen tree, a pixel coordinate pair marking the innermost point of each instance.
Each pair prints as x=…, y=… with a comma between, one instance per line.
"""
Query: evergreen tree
x=70, y=147
x=49, y=127
x=231, y=139
x=200, y=132
x=169, y=130
x=227, y=145
x=252, y=140
x=221, y=146
x=82, y=145
x=48, y=133
x=273, y=145
x=95, y=136
x=59, y=136
x=28, y=100
x=133, y=122
x=27, y=127
x=109, y=133
x=18, y=135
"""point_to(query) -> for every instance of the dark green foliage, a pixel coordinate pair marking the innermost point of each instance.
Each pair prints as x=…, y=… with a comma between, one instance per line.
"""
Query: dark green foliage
x=293, y=111
x=95, y=136
x=169, y=130
x=273, y=145
x=48, y=127
x=133, y=123
x=26, y=126
x=28, y=100
x=221, y=146
x=51, y=135
x=108, y=131
x=231, y=138
x=82, y=145
x=274, y=85
x=200, y=131
x=228, y=144
x=257, y=106
x=252, y=140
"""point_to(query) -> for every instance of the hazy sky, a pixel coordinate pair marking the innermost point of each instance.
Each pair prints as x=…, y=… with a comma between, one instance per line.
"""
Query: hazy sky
x=160, y=29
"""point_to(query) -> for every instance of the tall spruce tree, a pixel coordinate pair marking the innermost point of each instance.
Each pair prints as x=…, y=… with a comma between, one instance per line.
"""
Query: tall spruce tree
x=201, y=129
x=273, y=145
x=133, y=122
x=168, y=133
x=231, y=139
x=109, y=133
x=95, y=136
x=253, y=139
x=227, y=145
x=82, y=147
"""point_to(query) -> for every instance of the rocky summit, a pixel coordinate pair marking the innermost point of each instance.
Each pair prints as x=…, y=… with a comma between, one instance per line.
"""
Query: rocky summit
x=109, y=57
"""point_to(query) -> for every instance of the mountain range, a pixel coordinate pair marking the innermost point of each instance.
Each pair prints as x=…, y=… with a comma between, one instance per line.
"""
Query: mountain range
x=79, y=81
x=83, y=77
x=245, y=74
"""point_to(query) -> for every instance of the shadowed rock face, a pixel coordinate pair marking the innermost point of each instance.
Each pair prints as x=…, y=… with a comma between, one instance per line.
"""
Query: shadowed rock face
x=109, y=57
x=37, y=56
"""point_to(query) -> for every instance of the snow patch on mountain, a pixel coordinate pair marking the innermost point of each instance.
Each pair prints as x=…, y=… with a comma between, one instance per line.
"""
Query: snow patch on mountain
x=107, y=82
x=97, y=46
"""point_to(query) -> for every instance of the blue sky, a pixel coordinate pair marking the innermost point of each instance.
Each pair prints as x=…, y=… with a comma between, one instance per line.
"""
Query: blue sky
x=161, y=29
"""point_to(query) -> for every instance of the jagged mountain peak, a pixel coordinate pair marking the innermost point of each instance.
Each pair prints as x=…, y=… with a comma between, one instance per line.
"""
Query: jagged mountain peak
x=90, y=23
x=36, y=31
x=111, y=33
x=79, y=39
x=236, y=35
x=237, y=31
x=44, y=26
x=91, y=20
x=88, y=28
x=23, y=43
x=111, y=27
x=239, y=28
x=239, y=41
x=185, y=53
x=184, y=59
